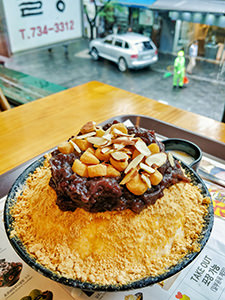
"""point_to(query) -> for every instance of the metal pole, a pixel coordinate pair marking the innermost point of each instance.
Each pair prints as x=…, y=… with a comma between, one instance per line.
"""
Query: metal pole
x=176, y=35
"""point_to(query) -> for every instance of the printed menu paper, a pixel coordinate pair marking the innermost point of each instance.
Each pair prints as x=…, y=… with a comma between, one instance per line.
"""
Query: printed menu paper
x=18, y=280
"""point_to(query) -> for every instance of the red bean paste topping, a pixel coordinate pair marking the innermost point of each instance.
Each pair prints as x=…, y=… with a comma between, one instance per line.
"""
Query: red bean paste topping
x=101, y=194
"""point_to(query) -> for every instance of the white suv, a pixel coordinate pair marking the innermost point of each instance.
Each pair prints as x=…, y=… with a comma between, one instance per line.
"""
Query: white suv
x=129, y=50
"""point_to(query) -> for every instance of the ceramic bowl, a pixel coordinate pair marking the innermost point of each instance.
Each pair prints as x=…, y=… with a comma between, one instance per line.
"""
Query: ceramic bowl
x=184, y=150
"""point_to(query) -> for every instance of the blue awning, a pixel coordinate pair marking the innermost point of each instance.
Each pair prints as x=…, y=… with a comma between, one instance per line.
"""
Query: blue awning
x=136, y=3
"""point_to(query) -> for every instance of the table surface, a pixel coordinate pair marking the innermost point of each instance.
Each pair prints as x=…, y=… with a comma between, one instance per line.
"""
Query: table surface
x=31, y=129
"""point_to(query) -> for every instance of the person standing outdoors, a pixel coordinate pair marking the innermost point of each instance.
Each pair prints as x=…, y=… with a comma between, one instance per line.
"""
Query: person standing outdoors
x=179, y=70
x=193, y=53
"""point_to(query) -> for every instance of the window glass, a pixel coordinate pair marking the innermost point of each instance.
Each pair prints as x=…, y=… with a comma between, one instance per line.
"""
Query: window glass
x=118, y=43
x=108, y=40
x=143, y=46
x=126, y=45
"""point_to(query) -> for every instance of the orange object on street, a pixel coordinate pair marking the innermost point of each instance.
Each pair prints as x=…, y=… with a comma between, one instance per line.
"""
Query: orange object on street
x=186, y=80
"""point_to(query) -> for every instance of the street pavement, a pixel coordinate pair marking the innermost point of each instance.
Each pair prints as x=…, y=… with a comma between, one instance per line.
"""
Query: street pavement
x=204, y=94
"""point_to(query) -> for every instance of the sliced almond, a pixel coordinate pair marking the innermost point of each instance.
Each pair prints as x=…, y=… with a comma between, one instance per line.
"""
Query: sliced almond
x=99, y=141
x=124, y=140
x=135, y=153
x=142, y=148
x=107, y=136
x=88, y=127
x=158, y=159
x=105, y=150
x=117, y=132
x=171, y=159
x=129, y=176
x=119, y=126
x=127, y=151
x=118, y=146
x=76, y=148
x=146, y=180
x=119, y=156
x=107, y=144
x=108, y=130
x=146, y=168
x=88, y=158
x=134, y=163
x=66, y=148
x=84, y=136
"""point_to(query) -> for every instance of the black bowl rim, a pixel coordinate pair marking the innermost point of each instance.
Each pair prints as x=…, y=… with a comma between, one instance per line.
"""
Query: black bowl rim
x=144, y=282
x=196, y=147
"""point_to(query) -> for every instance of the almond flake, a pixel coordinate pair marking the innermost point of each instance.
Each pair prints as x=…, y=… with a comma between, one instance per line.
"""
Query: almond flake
x=99, y=141
x=83, y=136
x=129, y=176
x=107, y=136
x=127, y=151
x=118, y=146
x=147, y=168
x=158, y=159
x=134, y=163
x=107, y=144
x=142, y=148
x=124, y=140
x=75, y=146
x=119, y=156
x=108, y=130
x=120, y=133
x=105, y=150
x=146, y=180
x=171, y=159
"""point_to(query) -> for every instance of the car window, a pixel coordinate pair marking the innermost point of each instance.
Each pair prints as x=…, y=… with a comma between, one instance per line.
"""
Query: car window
x=126, y=45
x=108, y=40
x=118, y=43
x=143, y=46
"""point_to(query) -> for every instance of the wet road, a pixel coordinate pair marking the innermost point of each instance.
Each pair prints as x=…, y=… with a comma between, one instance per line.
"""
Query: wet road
x=203, y=95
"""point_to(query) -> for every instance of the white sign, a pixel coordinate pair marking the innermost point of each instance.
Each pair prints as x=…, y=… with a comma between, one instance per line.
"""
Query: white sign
x=33, y=23
x=146, y=17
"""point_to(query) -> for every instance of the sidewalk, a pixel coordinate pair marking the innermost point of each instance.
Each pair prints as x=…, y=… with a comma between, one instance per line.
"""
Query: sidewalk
x=203, y=71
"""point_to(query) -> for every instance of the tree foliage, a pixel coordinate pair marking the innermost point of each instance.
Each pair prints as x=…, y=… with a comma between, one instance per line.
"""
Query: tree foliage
x=106, y=10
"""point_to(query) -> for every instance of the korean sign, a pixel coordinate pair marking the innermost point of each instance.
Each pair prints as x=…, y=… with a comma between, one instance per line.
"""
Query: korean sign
x=36, y=23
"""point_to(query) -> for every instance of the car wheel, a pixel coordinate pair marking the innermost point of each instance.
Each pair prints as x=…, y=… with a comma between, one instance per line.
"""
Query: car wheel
x=94, y=54
x=122, y=65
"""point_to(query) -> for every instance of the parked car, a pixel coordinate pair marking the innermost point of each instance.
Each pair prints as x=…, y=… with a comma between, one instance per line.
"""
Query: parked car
x=129, y=50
